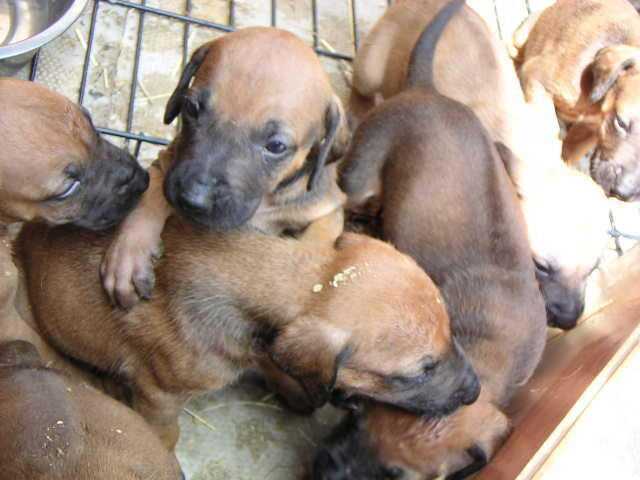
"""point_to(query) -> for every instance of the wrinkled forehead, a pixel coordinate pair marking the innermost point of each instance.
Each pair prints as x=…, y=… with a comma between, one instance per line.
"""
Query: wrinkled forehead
x=265, y=76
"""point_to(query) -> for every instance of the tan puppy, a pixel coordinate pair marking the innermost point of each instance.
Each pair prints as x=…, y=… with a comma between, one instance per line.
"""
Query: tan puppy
x=586, y=55
x=566, y=212
x=258, y=127
x=54, y=167
x=359, y=318
x=53, y=428
x=448, y=201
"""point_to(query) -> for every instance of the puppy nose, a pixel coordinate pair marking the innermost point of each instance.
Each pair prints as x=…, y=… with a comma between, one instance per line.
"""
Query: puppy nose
x=195, y=199
x=564, y=315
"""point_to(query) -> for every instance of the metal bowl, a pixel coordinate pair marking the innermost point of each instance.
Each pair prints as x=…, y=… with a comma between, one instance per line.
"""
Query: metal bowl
x=27, y=25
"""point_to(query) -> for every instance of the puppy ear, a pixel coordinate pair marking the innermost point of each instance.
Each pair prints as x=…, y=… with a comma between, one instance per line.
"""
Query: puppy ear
x=311, y=352
x=334, y=143
x=175, y=101
x=609, y=64
x=19, y=353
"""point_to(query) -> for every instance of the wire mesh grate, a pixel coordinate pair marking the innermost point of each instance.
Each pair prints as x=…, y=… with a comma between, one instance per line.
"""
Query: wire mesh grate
x=188, y=20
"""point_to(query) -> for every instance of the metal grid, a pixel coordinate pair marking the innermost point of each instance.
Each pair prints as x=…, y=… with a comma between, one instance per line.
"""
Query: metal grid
x=188, y=21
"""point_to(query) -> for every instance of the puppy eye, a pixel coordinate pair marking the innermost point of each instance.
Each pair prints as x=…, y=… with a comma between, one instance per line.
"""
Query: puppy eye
x=620, y=125
x=73, y=188
x=542, y=269
x=276, y=147
x=430, y=365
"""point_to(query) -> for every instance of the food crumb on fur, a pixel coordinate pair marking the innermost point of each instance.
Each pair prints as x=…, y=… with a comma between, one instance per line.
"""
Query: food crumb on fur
x=340, y=278
x=317, y=288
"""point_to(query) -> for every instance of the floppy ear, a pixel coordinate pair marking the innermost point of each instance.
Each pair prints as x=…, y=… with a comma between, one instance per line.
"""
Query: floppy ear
x=334, y=143
x=311, y=353
x=175, y=101
x=609, y=64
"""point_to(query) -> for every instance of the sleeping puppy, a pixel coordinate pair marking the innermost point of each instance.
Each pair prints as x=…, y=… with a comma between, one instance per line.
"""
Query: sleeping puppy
x=258, y=130
x=54, y=168
x=566, y=213
x=53, y=427
x=448, y=202
x=586, y=56
x=357, y=318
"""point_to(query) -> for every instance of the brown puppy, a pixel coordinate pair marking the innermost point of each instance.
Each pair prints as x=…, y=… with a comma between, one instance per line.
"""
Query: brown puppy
x=567, y=232
x=448, y=201
x=54, y=428
x=258, y=127
x=358, y=317
x=586, y=55
x=54, y=167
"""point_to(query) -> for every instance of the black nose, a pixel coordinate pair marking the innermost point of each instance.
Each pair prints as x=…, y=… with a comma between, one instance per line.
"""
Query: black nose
x=564, y=316
x=195, y=199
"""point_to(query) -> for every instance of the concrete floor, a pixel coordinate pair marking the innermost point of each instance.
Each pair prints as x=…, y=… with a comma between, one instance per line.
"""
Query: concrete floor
x=241, y=433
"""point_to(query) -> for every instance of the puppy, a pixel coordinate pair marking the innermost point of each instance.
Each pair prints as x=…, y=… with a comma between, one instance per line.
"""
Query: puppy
x=54, y=168
x=448, y=202
x=49, y=429
x=586, y=56
x=358, y=317
x=566, y=212
x=258, y=128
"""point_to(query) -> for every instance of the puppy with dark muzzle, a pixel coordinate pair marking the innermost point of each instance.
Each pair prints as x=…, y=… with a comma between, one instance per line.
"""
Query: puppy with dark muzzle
x=447, y=200
x=357, y=317
x=258, y=130
x=55, y=167
x=54, y=428
x=586, y=56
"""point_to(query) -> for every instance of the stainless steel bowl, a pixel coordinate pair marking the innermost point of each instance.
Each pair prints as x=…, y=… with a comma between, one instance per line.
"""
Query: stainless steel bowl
x=27, y=25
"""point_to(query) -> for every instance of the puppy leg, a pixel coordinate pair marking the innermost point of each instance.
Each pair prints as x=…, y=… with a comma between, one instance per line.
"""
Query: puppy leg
x=159, y=408
x=127, y=267
x=579, y=140
x=361, y=172
x=325, y=229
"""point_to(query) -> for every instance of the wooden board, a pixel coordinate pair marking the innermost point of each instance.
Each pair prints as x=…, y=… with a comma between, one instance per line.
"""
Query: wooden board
x=576, y=365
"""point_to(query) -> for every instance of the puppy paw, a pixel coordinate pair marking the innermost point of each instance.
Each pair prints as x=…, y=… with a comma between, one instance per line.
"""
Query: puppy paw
x=127, y=268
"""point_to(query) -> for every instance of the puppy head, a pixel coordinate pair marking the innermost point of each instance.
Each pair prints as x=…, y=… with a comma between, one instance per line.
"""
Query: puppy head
x=255, y=106
x=615, y=85
x=54, y=166
x=567, y=219
x=383, y=443
x=377, y=329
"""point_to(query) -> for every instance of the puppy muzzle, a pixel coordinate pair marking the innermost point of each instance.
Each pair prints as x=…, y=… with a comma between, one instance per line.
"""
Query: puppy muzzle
x=210, y=202
x=114, y=185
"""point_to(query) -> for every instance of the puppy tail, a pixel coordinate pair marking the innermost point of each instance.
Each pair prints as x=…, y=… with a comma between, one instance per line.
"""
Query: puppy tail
x=420, y=71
